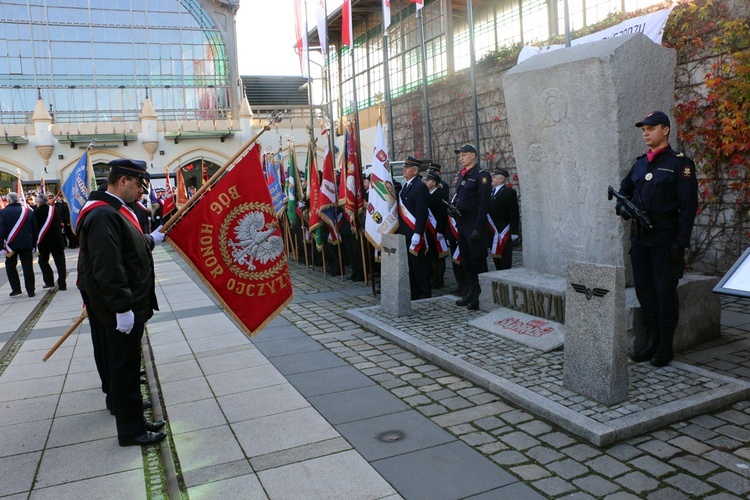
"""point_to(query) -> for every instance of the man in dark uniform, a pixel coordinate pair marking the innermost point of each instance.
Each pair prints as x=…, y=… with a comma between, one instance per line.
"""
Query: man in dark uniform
x=412, y=222
x=504, y=215
x=62, y=207
x=473, y=201
x=50, y=242
x=663, y=183
x=438, y=226
x=18, y=235
x=116, y=270
x=451, y=234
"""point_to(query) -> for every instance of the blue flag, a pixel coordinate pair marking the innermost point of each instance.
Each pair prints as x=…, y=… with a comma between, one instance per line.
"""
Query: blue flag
x=274, y=187
x=76, y=188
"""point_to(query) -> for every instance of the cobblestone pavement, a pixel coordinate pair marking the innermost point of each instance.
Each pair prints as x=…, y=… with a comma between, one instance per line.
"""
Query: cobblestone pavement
x=704, y=457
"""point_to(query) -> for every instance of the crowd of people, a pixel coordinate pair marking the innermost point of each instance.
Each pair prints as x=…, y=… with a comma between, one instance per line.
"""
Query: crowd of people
x=116, y=233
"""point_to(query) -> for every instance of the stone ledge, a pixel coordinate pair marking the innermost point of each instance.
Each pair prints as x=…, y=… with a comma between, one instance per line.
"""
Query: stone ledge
x=533, y=380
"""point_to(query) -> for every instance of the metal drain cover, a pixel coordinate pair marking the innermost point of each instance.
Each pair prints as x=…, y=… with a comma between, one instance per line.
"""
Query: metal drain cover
x=390, y=436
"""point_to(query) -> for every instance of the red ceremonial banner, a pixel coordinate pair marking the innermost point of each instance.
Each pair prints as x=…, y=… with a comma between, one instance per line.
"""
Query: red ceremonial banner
x=231, y=237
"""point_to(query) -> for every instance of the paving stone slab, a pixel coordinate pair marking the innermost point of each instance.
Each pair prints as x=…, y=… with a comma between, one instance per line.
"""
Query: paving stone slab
x=533, y=380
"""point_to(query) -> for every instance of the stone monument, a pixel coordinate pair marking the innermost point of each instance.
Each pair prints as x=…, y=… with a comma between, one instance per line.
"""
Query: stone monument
x=571, y=115
x=596, y=355
x=395, y=297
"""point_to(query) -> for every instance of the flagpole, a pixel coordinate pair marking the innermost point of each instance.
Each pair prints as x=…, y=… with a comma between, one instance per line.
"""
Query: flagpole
x=207, y=185
x=387, y=71
x=473, y=64
x=309, y=79
x=65, y=335
x=420, y=16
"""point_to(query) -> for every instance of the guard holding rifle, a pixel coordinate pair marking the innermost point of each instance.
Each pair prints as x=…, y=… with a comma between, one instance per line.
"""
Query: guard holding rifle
x=473, y=202
x=660, y=194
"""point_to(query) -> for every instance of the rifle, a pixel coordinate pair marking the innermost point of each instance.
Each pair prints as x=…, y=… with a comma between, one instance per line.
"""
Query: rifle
x=631, y=210
x=453, y=211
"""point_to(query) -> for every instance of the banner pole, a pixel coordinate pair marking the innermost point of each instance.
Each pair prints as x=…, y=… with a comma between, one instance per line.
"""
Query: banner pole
x=207, y=185
x=65, y=336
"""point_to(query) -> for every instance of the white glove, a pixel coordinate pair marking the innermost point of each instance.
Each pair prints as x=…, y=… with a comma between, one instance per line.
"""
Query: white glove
x=125, y=321
x=2, y=253
x=415, y=239
x=301, y=204
x=514, y=238
x=158, y=236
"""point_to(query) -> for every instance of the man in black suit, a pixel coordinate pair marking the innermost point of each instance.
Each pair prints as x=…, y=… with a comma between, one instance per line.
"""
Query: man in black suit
x=50, y=241
x=18, y=235
x=504, y=216
x=412, y=222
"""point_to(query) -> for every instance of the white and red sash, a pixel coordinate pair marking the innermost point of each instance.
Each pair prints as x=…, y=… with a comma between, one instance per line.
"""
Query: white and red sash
x=124, y=210
x=499, y=239
x=437, y=238
x=25, y=211
x=411, y=221
x=47, y=223
x=454, y=231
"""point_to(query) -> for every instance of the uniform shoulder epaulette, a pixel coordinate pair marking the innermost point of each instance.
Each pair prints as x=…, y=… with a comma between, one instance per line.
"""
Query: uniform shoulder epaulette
x=641, y=156
x=678, y=155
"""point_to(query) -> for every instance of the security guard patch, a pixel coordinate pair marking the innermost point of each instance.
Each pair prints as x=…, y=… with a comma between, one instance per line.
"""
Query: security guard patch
x=686, y=172
x=484, y=180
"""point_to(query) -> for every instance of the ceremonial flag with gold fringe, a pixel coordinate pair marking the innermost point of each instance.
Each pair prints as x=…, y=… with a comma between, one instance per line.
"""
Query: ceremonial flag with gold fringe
x=169, y=204
x=328, y=198
x=353, y=200
x=231, y=237
x=182, y=196
x=315, y=223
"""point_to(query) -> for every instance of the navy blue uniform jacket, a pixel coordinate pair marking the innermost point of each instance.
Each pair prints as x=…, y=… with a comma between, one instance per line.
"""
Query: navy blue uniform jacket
x=27, y=235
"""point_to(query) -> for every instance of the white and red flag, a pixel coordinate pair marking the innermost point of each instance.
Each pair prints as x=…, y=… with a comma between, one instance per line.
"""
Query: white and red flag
x=231, y=237
x=300, y=29
x=420, y=3
x=169, y=203
x=382, y=208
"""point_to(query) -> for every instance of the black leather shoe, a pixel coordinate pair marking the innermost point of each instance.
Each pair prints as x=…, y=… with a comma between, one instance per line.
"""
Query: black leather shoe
x=143, y=380
x=147, y=404
x=155, y=426
x=32, y=294
x=62, y=288
x=48, y=286
x=143, y=372
x=145, y=439
x=15, y=294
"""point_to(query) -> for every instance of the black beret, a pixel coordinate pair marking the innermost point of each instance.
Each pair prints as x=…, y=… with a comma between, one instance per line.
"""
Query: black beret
x=433, y=176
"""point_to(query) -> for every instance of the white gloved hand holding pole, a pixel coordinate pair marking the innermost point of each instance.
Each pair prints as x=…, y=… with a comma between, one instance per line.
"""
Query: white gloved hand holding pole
x=158, y=236
x=415, y=240
x=125, y=321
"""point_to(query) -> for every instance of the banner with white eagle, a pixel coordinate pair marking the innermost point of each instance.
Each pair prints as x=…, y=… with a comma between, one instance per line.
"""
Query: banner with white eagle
x=231, y=237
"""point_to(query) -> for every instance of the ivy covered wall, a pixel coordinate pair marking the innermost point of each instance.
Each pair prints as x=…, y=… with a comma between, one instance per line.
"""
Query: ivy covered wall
x=712, y=111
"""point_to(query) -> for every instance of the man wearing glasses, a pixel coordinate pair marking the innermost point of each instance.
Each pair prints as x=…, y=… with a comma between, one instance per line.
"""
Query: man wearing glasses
x=116, y=271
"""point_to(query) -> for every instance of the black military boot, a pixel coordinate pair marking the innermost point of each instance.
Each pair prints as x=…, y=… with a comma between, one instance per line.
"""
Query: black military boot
x=664, y=353
x=649, y=348
x=473, y=304
x=466, y=299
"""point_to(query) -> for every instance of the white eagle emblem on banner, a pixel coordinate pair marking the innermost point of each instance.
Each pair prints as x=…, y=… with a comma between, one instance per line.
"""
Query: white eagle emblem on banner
x=255, y=241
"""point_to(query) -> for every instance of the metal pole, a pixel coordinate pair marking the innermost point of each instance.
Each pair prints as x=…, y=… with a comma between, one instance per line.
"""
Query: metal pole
x=309, y=81
x=389, y=102
x=567, y=23
x=470, y=18
x=424, y=84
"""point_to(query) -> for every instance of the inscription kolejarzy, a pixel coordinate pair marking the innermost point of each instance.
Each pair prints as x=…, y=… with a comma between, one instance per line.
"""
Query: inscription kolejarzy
x=526, y=300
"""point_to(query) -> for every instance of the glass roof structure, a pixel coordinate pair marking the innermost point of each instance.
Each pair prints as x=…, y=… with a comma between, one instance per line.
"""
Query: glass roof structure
x=95, y=61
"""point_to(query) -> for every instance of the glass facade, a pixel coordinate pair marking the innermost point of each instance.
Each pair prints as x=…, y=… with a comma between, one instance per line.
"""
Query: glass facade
x=497, y=24
x=93, y=61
